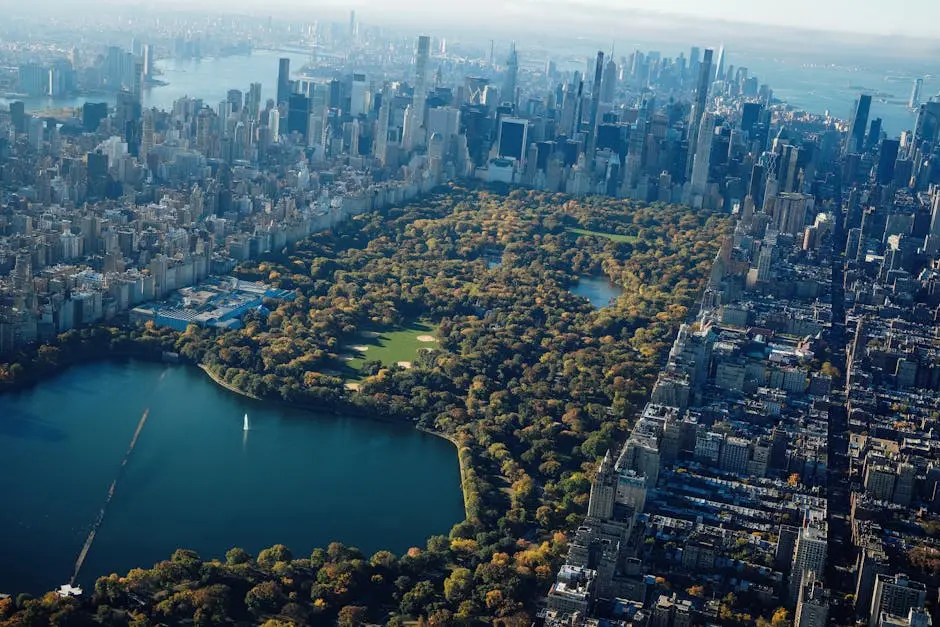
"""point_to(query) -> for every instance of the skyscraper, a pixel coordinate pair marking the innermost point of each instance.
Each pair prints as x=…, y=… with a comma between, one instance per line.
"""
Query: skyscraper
x=357, y=95
x=702, y=156
x=595, y=101
x=698, y=108
x=298, y=114
x=720, y=65
x=512, y=75
x=927, y=126
x=856, y=139
x=381, y=134
x=253, y=101
x=416, y=117
x=283, y=81
x=694, y=61
x=874, y=134
x=609, y=87
x=512, y=138
x=887, y=157
x=603, y=490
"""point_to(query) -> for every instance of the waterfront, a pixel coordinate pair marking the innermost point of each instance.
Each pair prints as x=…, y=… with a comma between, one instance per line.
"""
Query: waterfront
x=208, y=79
x=815, y=86
x=197, y=479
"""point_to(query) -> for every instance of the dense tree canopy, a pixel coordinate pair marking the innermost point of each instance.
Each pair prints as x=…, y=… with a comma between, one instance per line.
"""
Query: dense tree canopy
x=530, y=381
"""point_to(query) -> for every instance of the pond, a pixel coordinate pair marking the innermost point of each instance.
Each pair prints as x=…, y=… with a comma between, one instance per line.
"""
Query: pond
x=598, y=290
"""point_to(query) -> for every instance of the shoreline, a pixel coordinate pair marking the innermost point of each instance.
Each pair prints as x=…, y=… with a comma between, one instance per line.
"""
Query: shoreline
x=461, y=461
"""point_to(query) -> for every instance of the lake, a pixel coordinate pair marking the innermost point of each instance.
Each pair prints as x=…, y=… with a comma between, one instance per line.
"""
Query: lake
x=198, y=480
x=598, y=290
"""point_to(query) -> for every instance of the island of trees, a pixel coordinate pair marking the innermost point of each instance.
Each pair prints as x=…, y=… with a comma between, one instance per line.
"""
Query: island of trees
x=531, y=382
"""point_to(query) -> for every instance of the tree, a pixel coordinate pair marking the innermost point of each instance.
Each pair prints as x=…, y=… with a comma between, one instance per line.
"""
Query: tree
x=237, y=556
x=277, y=553
x=352, y=616
x=781, y=617
x=264, y=598
x=459, y=585
x=417, y=599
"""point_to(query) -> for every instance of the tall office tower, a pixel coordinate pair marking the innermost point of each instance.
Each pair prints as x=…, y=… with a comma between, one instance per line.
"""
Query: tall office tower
x=352, y=25
x=283, y=81
x=927, y=126
x=274, y=123
x=595, y=101
x=568, y=107
x=874, y=134
x=855, y=141
x=224, y=111
x=750, y=116
x=380, y=151
x=253, y=101
x=204, y=131
x=720, y=65
x=698, y=108
x=18, y=115
x=609, y=86
x=887, y=157
x=694, y=61
x=146, y=135
x=578, y=110
x=895, y=594
x=812, y=607
x=603, y=490
x=235, y=97
x=512, y=138
x=512, y=75
x=634, y=161
x=416, y=117
x=810, y=553
x=914, y=102
x=357, y=95
x=702, y=157
x=298, y=114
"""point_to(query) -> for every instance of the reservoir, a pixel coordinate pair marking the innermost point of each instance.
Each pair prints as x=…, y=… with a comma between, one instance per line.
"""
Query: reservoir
x=599, y=290
x=197, y=479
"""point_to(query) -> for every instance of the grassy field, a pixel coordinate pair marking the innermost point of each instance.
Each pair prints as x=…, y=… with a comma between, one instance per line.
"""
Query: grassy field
x=390, y=347
x=611, y=236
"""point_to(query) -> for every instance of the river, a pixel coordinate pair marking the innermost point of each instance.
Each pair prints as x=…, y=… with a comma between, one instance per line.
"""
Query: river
x=209, y=79
x=815, y=83
x=197, y=479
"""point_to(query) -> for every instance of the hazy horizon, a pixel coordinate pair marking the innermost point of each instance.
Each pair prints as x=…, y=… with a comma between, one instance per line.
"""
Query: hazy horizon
x=851, y=17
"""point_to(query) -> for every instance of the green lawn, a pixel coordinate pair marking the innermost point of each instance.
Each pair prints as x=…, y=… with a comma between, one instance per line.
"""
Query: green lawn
x=611, y=236
x=389, y=347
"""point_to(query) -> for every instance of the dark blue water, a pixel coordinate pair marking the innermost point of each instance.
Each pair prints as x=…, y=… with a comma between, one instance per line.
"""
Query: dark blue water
x=599, y=290
x=197, y=479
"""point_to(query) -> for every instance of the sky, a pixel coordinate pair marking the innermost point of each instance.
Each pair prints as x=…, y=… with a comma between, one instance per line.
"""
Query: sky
x=911, y=18
x=916, y=18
